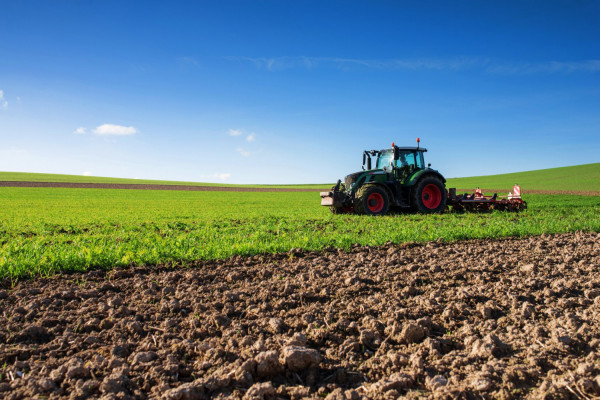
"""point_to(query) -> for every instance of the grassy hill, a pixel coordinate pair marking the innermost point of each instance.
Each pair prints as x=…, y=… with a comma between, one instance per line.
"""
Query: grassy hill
x=576, y=178
x=35, y=177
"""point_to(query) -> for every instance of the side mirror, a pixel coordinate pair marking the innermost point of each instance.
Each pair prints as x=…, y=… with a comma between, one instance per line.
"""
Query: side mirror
x=429, y=165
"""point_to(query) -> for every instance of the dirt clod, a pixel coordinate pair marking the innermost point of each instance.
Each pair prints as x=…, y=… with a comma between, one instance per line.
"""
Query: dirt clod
x=267, y=364
x=411, y=333
x=297, y=358
x=260, y=391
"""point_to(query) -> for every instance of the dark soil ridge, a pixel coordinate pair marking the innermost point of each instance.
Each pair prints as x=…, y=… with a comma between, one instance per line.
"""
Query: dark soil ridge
x=510, y=318
x=136, y=186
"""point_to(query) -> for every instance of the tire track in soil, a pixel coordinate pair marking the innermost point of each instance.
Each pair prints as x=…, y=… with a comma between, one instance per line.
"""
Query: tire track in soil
x=512, y=318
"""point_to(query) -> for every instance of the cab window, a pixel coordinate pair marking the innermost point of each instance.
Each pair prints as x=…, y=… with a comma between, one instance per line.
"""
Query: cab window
x=406, y=159
x=420, y=161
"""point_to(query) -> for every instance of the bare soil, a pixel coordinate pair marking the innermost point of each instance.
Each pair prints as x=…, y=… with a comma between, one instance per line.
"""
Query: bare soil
x=503, y=319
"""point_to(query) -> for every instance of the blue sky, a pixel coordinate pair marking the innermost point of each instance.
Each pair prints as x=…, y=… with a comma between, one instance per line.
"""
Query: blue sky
x=293, y=91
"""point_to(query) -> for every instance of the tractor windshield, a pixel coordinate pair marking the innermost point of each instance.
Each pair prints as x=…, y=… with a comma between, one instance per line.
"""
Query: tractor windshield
x=407, y=158
x=386, y=157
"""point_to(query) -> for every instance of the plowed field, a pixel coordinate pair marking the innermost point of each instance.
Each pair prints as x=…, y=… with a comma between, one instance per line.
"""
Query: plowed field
x=512, y=318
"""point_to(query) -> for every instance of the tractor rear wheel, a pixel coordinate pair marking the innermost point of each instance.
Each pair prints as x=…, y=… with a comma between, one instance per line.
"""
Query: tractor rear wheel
x=372, y=200
x=429, y=196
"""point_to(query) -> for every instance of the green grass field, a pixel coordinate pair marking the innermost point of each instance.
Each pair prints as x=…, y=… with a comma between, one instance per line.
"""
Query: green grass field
x=577, y=178
x=44, y=231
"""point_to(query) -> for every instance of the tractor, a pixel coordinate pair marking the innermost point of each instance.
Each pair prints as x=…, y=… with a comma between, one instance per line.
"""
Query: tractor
x=399, y=179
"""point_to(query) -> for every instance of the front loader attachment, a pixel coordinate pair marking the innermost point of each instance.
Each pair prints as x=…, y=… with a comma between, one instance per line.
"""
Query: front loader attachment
x=332, y=198
x=338, y=201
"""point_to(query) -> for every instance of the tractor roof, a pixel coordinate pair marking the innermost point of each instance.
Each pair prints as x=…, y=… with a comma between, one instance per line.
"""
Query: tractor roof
x=410, y=148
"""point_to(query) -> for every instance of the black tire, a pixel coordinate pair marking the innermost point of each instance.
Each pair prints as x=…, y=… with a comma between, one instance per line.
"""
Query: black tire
x=338, y=210
x=372, y=200
x=429, y=196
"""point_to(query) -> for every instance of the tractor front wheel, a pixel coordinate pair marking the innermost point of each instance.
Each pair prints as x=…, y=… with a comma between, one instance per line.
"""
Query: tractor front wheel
x=372, y=200
x=429, y=196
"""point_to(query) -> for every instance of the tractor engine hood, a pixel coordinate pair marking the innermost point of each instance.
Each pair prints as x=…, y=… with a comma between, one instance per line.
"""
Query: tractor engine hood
x=350, y=179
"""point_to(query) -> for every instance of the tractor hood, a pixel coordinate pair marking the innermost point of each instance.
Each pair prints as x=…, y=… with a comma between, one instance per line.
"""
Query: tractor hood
x=350, y=179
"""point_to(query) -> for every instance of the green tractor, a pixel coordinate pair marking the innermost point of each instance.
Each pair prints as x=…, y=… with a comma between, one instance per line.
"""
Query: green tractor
x=399, y=180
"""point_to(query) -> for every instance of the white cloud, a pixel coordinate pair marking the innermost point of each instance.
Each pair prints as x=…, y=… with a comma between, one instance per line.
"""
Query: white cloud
x=235, y=132
x=188, y=61
x=80, y=131
x=3, y=102
x=251, y=137
x=243, y=152
x=222, y=175
x=282, y=63
x=87, y=173
x=484, y=64
x=590, y=66
x=117, y=130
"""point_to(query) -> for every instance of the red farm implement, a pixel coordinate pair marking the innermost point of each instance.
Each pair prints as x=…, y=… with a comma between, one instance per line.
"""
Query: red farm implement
x=477, y=202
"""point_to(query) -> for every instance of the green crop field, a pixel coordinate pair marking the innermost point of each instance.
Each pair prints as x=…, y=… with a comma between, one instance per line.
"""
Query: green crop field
x=576, y=178
x=44, y=231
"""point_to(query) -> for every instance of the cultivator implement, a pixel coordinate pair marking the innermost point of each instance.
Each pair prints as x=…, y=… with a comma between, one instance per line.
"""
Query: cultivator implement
x=477, y=202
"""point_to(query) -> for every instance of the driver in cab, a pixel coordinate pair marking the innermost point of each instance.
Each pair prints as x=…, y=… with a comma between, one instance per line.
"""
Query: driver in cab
x=403, y=166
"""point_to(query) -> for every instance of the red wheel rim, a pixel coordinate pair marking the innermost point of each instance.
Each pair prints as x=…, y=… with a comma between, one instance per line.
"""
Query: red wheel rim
x=431, y=196
x=375, y=202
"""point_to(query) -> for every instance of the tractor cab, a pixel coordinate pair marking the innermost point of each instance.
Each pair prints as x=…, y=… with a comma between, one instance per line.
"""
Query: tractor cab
x=395, y=157
x=402, y=162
